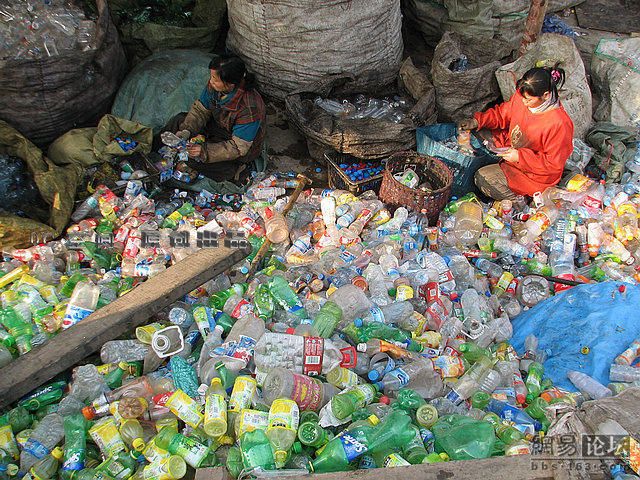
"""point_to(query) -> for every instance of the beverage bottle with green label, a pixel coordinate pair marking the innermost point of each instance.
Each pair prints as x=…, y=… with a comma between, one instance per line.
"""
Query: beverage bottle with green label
x=215, y=409
x=472, y=352
x=537, y=410
x=132, y=434
x=21, y=331
x=284, y=417
x=192, y=451
x=256, y=451
x=327, y=319
x=114, y=378
x=119, y=466
x=534, y=380
x=45, y=395
x=18, y=418
x=185, y=408
x=506, y=433
x=75, y=443
x=47, y=467
x=218, y=299
x=264, y=302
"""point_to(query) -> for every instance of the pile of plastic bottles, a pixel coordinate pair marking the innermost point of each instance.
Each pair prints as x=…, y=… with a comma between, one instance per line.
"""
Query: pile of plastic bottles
x=364, y=340
x=389, y=109
x=37, y=29
x=17, y=187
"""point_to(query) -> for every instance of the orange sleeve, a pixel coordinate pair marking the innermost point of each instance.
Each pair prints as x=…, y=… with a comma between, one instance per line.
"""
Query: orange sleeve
x=557, y=146
x=496, y=118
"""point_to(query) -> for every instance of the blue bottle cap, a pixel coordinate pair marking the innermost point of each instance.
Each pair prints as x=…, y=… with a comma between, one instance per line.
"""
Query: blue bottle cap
x=318, y=170
x=358, y=322
x=373, y=375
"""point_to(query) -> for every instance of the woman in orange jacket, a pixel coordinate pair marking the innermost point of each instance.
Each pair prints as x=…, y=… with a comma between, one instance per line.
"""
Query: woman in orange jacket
x=533, y=134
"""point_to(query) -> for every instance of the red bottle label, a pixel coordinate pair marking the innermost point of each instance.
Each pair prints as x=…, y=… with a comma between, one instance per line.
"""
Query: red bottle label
x=312, y=356
x=307, y=392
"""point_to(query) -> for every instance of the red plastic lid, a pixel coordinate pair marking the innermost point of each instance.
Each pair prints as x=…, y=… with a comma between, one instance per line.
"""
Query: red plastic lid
x=384, y=399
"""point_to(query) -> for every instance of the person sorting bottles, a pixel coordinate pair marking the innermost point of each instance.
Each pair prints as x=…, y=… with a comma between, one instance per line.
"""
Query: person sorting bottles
x=532, y=133
x=231, y=114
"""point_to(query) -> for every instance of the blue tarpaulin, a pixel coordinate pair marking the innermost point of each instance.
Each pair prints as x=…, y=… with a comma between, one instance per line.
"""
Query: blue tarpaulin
x=597, y=316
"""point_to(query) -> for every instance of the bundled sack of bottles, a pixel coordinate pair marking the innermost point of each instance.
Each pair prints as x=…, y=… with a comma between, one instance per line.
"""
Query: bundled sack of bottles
x=364, y=339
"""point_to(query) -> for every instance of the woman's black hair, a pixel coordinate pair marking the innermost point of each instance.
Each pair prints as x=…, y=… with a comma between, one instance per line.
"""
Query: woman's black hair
x=231, y=69
x=540, y=80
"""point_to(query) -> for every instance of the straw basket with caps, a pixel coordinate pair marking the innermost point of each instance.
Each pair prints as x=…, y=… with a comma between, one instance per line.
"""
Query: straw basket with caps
x=430, y=198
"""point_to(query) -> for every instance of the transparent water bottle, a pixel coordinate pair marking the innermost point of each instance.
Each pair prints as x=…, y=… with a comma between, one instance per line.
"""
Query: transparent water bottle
x=47, y=434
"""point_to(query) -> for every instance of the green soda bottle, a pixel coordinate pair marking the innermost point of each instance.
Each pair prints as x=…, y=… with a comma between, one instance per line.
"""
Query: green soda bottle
x=536, y=266
x=234, y=461
x=114, y=378
x=70, y=284
x=218, y=299
x=21, y=331
x=414, y=451
x=174, y=218
x=286, y=297
x=537, y=409
x=506, y=433
x=311, y=434
x=464, y=438
x=225, y=320
x=42, y=396
x=18, y=418
x=263, y=302
x=75, y=443
x=192, y=451
x=93, y=251
x=350, y=400
x=408, y=400
x=454, y=205
x=48, y=466
x=480, y=400
x=327, y=319
x=472, y=352
x=534, y=381
x=256, y=450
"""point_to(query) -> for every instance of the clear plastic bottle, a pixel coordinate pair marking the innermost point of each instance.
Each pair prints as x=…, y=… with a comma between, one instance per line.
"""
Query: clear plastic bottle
x=352, y=301
x=542, y=219
x=588, y=385
x=468, y=224
x=47, y=434
x=83, y=302
x=418, y=375
x=377, y=285
x=276, y=227
x=624, y=373
x=309, y=393
x=117, y=351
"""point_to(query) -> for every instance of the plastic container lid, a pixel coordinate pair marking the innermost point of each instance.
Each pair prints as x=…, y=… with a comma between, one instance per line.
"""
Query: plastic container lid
x=138, y=444
x=384, y=399
x=373, y=419
x=57, y=453
x=373, y=375
x=89, y=413
x=358, y=323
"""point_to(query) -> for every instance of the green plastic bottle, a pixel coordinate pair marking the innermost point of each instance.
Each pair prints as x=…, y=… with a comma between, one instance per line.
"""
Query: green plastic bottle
x=174, y=218
x=537, y=410
x=256, y=451
x=18, y=418
x=192, y=451
x=408, y=400
x=114, y=378
x=327, y=319
x=506, y=433
x=472, y=352
x=380, y=331
x=42, y=396
x=454, y=205
x=263, y=302
x=225, y=320
x=312, y=434
x=414, y=451
x=21, y=331
x=99, y=255
x=286, y=297
x=70, y=284
x=75, y=443
x=348, y=401
x=119, y=466
x=234, y=461
x=534, y=381
x=480, y=400
x=464, y=438
x=218, y=299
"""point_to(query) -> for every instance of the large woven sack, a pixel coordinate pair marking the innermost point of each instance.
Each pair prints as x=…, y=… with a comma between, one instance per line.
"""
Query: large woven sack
x=162, y=86
x=574, y=95
x=367, y=138
x=143, y=39
x=460, y=94
x=615, y=71
x=43, y=98
x=57, y=186
x=290, y=45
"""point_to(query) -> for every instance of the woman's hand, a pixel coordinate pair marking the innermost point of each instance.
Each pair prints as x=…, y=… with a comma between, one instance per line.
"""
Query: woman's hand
x=468, y=124
x=196, y=152
x=510, y=155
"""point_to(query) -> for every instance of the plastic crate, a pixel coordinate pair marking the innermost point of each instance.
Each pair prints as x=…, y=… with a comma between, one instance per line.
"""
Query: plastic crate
x=463, y=167
x=340, y=181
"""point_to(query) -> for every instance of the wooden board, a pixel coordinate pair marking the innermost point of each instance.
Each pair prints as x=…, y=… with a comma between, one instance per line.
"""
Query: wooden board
x=522, y=467
x=622, y=16
x=119, y=317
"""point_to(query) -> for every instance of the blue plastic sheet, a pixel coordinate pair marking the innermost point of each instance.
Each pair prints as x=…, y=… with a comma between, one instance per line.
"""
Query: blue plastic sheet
x=597, y=316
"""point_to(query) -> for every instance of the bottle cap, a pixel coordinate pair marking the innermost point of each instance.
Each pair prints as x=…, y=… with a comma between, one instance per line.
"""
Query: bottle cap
x=361, y=347
x=373, y=375
x=89, y=413
x=280, y=456
x=216, y=381
x=384, y=399
x=373, y=419
x=57, y=453
x=358, y=322
x=138, y=444
x=297, y=447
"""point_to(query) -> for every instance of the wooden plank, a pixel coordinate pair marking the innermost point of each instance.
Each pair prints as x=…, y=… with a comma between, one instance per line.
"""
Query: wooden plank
x=522, y=467
x=119, y=317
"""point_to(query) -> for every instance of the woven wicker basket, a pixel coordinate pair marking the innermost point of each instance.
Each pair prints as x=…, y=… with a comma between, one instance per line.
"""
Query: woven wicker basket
x=430, y=169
